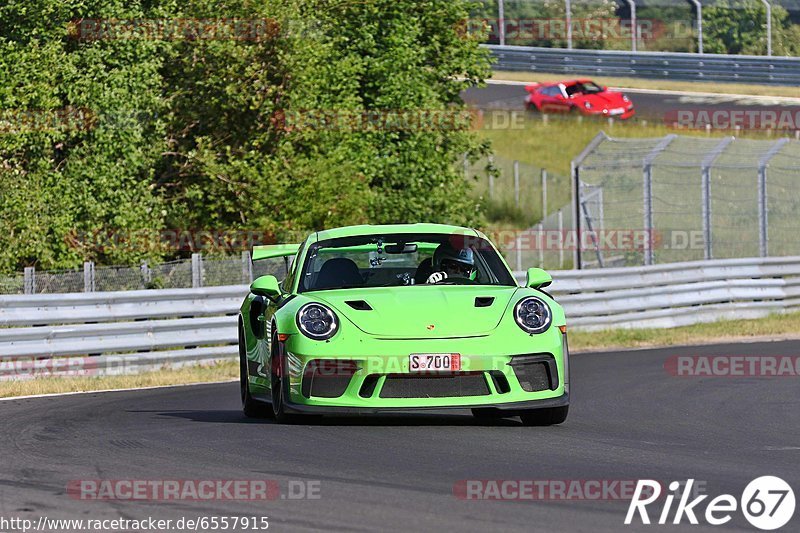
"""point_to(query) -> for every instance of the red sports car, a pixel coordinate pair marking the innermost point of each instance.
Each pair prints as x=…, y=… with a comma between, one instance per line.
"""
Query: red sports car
x=583, y=96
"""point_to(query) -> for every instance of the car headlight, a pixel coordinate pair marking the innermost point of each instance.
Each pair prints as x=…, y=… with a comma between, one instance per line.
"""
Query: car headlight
x=587, y=105
x=317, y=321
x=533, y=315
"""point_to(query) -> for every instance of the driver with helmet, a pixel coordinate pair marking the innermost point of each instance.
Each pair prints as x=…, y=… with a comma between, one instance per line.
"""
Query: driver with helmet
x=449, y=262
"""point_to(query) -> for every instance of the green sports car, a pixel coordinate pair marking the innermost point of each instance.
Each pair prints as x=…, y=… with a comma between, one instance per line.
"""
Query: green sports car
x=373, y=319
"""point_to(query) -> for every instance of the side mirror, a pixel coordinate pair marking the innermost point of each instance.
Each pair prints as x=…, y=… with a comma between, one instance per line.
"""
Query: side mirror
x=265, y=286
x=538, y=278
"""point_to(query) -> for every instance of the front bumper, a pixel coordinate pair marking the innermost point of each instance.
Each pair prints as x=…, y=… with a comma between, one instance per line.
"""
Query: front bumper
x=530, y=372
x=498, y=409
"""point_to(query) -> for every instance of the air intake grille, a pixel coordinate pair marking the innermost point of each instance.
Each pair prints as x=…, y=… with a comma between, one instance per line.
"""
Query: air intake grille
x=535, y=372
x=327, y=378
x=434, y=386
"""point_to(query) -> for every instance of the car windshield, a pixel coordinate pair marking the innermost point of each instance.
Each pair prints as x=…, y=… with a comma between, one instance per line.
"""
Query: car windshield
x=587, y=87
x=402, y=260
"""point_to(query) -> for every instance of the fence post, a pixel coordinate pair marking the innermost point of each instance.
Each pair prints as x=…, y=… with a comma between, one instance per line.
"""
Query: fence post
x=576, y=214
x=197, y=270
x=247, y=268
x=501, y=23
x=540, y=240
x=706, y=188
x=544, y=194
x=147, y=275
x=708, y=162
x=561, y=239
x=648, y=214
x=699, y=7
x=30, y=280
x=634, y=24
x=568, y=7
x=763, y=214
x=88, y=277
x=762, y=211
x=516, y=183
x=518, y=246
x=768, y=6
x=491, y=177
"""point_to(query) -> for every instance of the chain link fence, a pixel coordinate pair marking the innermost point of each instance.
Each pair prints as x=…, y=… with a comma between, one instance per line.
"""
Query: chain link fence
x=184, y=273
x=687, y=198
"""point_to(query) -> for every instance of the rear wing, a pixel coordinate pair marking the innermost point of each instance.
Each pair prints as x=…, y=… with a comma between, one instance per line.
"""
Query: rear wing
x=531, y=87
x=269, y=251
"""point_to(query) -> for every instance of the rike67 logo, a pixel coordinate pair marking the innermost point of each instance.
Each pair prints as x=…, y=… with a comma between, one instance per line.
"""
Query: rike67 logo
x=767, y=503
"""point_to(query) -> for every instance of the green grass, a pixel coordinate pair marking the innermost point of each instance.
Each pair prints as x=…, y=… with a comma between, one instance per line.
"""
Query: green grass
x=664, y=85
x=222, y=371
x=772, y=327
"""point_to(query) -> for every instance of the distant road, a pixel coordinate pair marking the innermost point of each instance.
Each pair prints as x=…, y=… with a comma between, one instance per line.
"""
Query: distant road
x=650, y=105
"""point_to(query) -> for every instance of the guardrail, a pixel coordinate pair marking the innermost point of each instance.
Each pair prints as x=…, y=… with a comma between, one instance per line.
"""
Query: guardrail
x=129, y=332
x=108, y=333
x=661, y=65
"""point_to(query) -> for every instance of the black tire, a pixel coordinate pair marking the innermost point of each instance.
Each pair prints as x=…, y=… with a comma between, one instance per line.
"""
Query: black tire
x=252, y=408
x=545, y=417
x=277, y=374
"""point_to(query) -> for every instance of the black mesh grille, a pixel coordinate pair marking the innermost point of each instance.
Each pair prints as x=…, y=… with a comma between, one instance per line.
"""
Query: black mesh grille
x=500, y=382
x=327, y=378
x=434, y=386
x=368, y=387
x=535, y=372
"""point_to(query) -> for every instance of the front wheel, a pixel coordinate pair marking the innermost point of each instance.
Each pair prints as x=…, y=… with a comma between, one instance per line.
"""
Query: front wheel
x=545, y=417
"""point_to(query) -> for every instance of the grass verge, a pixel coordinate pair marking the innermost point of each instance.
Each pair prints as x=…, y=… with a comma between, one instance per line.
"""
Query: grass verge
x=662, y=85
x=52, y=385
x=772, y=327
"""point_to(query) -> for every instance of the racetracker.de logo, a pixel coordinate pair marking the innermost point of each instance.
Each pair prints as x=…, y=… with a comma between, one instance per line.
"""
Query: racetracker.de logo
x=191, y=489
x=545, y=489
x=776, y=118
x=733, y=366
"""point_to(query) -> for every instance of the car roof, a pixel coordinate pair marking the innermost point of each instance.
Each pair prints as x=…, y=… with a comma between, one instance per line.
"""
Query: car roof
x=569, y=82
x=385, y=229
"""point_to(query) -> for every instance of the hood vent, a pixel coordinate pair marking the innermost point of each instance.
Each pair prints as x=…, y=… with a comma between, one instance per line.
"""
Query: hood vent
x=359, y=305
x=484, y=301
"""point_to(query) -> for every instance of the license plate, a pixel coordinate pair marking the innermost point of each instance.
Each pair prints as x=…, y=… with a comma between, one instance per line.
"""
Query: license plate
x=617, y=111
x=426, y=362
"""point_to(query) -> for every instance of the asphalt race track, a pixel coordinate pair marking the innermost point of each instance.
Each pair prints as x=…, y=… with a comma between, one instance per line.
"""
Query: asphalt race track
x=650, y=105
x=630, y=419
